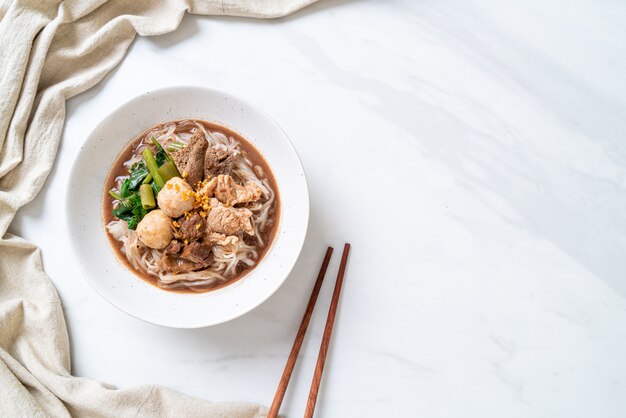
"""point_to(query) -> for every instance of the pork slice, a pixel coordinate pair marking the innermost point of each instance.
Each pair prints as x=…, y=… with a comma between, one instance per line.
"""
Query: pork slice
x=230, y=193
x=216, y=162
x=230, y=221
x=174, y=247
x=190, y=229
x=172, y=264
x=198, y=253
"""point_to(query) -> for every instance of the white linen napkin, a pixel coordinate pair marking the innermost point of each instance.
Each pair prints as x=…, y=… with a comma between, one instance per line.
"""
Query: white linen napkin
x=51, y=50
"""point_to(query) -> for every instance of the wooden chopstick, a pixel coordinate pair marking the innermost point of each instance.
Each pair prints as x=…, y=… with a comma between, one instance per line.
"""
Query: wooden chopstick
x=328, y=330
x=297, y=343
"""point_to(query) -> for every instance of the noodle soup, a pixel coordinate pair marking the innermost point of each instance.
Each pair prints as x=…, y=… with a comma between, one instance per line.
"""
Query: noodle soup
x=190, y=206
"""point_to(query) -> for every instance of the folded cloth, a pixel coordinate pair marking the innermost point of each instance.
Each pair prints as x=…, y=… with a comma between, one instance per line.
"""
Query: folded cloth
x=51, y=50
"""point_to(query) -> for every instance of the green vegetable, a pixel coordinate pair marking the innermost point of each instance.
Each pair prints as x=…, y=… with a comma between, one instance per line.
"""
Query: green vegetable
x=166, y=161
x=146, y=196
x=121, y=210
x=152, y=167
x=175, y=146
x=130, y=219
x=115, y=195
x=138, y=213
x=130, y=210
x=125, y=190
x=161, y=156
x=125, y=208
x=138, y=173
x=175, y=169
x=137, y=192
x=133, y=221
x=168, y=170
x=155, y=189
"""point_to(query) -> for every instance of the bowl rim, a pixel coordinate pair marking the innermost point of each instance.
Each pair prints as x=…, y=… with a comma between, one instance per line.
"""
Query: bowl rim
x=236, y=314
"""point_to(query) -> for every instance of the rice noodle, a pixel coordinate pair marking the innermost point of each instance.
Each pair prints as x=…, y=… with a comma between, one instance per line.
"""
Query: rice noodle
x=228, y=259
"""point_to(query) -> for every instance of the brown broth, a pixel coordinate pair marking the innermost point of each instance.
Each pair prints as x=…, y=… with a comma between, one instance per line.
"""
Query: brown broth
x=118, y=169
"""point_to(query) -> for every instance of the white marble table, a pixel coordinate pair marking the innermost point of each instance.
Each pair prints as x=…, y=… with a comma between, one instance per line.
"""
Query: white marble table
x=474, y=154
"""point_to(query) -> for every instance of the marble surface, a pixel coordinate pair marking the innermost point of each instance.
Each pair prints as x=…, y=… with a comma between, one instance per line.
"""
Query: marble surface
x=474, y=154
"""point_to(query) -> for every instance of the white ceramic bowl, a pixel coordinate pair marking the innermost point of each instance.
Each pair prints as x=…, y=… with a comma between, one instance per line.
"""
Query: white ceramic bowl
x=84, y=199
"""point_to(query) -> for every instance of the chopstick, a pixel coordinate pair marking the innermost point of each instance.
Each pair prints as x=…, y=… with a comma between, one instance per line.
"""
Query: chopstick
x=328, y=330
x=297, y=343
